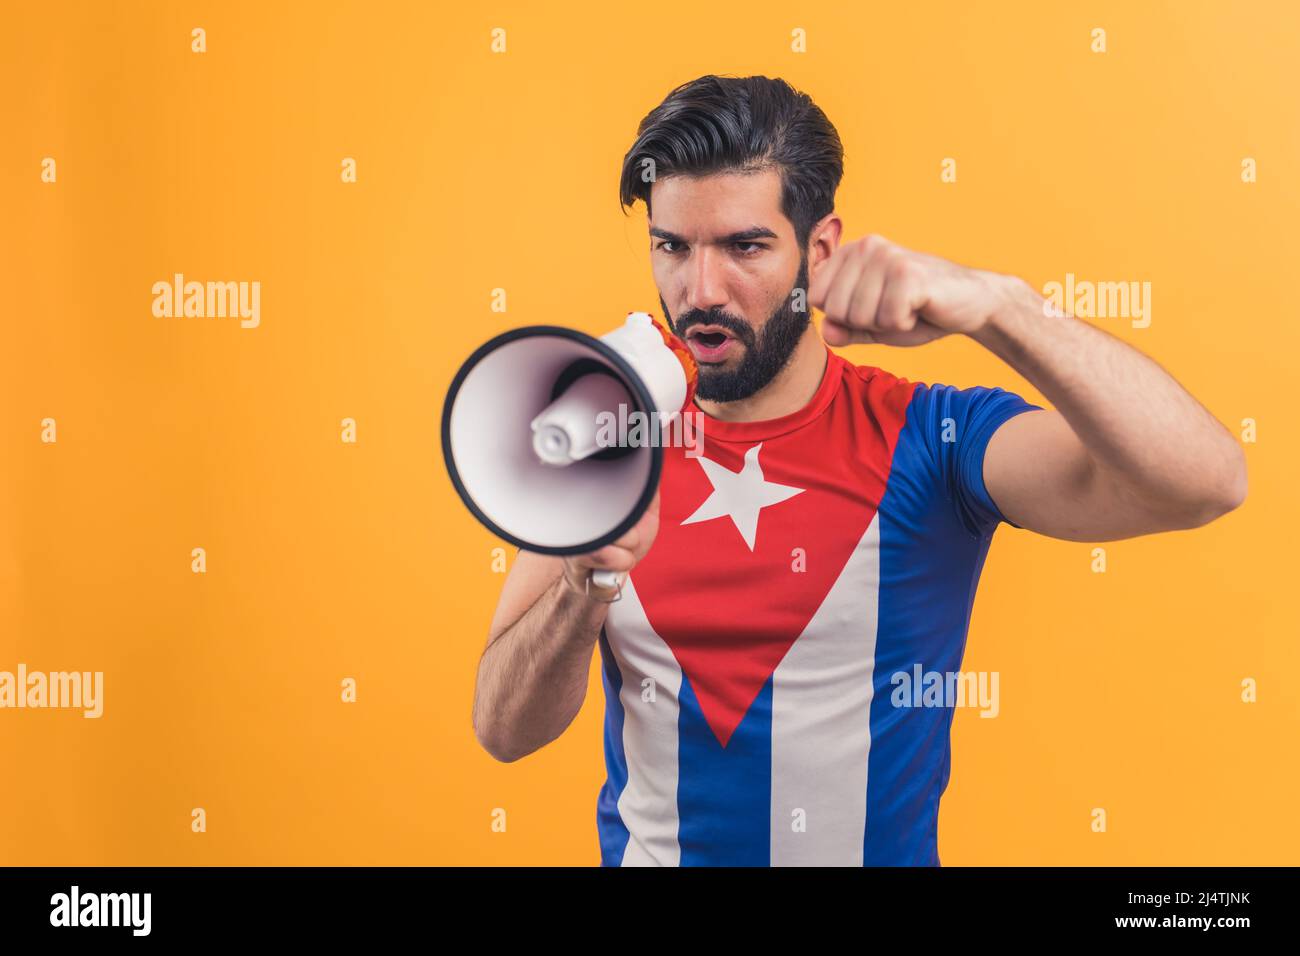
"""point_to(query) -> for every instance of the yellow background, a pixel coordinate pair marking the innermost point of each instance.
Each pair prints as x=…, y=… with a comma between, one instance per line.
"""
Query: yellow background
x=479, y=171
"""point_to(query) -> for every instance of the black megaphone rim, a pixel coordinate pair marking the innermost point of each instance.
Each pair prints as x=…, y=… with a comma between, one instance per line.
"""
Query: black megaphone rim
x=631, y=378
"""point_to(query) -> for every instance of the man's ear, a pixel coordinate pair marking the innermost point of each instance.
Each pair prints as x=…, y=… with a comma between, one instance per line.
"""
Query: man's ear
x=823, y=240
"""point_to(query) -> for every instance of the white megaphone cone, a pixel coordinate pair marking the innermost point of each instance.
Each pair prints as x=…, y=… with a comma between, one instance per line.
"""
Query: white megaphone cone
x=527, y=425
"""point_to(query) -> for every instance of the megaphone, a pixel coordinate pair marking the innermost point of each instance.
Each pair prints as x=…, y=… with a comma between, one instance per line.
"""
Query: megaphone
x=526, y=427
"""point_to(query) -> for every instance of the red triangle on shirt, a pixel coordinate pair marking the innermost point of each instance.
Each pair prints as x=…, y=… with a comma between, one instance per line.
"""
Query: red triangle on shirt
x=730, y=614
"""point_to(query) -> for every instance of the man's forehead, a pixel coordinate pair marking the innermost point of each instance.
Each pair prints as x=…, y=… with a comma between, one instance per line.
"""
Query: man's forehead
x=718, y=206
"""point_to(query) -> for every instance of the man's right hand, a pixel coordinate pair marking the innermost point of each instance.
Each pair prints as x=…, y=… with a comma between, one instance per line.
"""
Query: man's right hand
x=621, y=556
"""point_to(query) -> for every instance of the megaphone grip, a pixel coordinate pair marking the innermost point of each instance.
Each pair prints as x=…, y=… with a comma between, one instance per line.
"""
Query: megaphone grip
x=608, y=580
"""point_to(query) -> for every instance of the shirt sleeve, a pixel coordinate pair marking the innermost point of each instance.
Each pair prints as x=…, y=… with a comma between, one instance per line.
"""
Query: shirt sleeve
x=958, y=424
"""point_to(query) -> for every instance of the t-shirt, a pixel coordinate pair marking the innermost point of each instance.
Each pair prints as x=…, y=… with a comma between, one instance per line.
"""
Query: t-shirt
x=752, y=666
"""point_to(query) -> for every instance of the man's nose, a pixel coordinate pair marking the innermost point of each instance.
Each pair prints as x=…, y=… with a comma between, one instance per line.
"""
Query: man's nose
x=705, y=282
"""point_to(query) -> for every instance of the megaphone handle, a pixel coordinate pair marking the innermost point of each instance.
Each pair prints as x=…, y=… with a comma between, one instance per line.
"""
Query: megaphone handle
x=608, y=579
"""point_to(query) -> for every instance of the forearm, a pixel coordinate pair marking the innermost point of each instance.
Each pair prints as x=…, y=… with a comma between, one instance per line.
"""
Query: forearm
x=533, y=678
x=1142, y=428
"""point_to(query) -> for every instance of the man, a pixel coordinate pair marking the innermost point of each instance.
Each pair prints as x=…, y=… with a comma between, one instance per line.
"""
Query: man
x=831, y=535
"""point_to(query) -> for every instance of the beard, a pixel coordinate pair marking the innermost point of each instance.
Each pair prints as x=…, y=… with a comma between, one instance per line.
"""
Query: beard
x=766, y=353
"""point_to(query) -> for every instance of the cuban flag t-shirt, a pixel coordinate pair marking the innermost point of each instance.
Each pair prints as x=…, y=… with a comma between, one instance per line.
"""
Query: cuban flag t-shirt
x=749, y=669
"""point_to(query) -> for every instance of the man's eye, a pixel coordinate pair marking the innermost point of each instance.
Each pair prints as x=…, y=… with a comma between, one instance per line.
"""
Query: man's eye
x=746, y=248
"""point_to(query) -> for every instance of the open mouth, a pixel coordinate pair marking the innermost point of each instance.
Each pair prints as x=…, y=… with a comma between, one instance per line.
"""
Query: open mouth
x=709, y=342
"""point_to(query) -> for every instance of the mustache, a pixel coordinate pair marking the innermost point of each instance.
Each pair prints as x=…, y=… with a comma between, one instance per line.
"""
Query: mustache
x=736, y=327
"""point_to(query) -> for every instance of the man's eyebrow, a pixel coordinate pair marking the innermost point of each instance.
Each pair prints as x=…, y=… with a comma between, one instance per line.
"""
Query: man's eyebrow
x=745, y=235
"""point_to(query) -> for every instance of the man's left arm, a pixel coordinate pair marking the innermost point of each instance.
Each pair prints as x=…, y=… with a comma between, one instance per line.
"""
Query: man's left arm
x=1126, y=451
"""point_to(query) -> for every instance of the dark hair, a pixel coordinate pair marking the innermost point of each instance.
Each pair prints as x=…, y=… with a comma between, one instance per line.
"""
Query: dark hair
x=743, y=124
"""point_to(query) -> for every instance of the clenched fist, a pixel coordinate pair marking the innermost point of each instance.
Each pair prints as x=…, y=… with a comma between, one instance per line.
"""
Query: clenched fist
x=872, y=290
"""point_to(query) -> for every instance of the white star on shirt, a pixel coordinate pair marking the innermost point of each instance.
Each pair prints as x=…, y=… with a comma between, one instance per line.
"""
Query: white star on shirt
x=740, y=495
